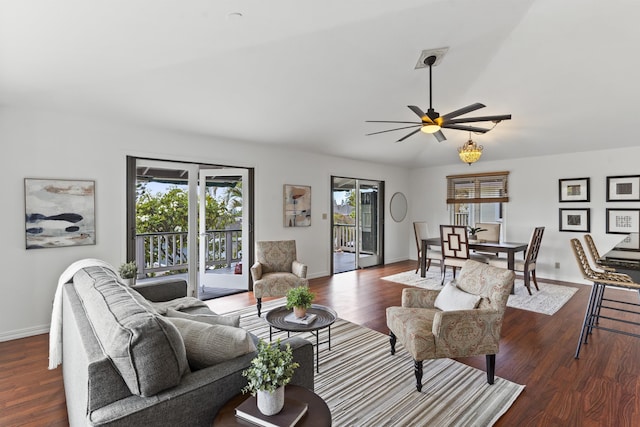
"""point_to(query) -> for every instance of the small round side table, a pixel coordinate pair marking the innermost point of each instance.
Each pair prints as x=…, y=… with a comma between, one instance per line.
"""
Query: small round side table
x=318, y=414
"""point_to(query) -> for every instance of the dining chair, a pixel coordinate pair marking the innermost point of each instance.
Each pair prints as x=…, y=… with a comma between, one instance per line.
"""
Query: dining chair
x=421, y=231
x=491, y=232
x=595, y=255
x=455, y=248
x=528, y=265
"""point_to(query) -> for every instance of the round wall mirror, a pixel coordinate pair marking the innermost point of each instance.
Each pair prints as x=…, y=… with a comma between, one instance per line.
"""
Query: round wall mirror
x=398, y=207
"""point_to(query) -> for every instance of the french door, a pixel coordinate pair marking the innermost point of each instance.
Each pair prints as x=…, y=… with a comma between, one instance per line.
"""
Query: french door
x=196, y=223
x=222, y=262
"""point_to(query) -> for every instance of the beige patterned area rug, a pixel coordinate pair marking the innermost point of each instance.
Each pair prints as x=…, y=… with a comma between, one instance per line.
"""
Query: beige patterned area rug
x=364, y=385
x=549, y=299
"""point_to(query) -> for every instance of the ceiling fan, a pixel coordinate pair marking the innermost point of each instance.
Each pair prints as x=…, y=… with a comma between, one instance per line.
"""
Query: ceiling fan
x=432, y=122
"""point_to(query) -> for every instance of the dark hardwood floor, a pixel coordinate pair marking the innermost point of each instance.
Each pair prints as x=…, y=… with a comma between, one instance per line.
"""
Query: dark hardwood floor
x=602, y=388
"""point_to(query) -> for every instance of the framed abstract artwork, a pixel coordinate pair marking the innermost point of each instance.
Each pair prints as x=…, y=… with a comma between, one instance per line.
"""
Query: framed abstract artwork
x=574, y=190
x=59, y=212
x=297, y=205
x=623, y=221
x=575, y=220
x=623, y=188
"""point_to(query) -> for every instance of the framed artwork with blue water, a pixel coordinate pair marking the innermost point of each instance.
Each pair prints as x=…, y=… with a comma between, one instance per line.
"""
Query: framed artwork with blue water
x=59, y=213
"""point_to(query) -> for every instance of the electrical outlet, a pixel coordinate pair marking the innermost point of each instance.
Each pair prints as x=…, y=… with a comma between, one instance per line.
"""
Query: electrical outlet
x=557, y=265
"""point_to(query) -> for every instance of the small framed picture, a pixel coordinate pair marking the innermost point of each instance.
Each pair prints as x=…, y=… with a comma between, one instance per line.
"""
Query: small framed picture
x=297, y=205
x=575, y=220
x=574, y=190
x=623, y=188
x=623, y=221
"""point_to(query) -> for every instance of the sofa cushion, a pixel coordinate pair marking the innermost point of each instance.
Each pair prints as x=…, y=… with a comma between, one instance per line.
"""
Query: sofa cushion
x=451, y=298
x=211, y=319
x=207, y=345
x=147, y=350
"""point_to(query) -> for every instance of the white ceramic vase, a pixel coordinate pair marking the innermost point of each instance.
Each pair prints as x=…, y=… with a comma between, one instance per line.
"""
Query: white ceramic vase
x=270, y=403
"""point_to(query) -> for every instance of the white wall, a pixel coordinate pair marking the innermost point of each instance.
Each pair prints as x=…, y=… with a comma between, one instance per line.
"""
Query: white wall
x=39, y=144
x=533, y=193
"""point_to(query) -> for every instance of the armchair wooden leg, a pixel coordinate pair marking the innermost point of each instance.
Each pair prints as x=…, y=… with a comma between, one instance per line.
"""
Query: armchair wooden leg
x=417, y=367
x=392, y=341
x=491, y=368
x=259, y=305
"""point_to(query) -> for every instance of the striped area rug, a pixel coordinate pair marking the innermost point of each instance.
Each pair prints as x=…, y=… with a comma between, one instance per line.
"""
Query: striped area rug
x=364, y=385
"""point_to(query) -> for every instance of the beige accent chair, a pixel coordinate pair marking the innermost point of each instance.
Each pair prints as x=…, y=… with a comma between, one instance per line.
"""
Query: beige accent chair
x=421, y=231
x=427, y=332
x=528, y=266
x=455, y=248
x=276, y=270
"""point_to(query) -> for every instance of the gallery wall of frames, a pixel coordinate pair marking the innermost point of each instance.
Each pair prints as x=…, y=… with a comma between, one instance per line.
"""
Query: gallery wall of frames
x=619, y=220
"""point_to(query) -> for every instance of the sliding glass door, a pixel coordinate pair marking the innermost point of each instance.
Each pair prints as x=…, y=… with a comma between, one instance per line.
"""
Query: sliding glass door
x=356, y=223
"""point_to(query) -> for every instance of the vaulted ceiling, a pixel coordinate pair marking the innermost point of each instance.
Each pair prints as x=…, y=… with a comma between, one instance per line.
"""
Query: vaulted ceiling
x=308, y=74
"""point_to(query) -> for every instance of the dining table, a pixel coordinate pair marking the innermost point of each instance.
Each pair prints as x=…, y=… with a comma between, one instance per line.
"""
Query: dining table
x=508, y=248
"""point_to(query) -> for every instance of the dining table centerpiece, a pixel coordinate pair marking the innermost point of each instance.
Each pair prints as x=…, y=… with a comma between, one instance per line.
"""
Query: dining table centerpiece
x=473, y=232
x=270, y=371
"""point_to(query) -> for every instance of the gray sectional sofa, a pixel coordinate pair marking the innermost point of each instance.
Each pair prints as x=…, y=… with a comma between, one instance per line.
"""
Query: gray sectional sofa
x=126, y=365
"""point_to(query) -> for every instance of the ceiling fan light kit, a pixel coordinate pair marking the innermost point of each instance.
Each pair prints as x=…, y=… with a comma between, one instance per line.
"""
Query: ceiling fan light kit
x=432, y=122
x=430, y=128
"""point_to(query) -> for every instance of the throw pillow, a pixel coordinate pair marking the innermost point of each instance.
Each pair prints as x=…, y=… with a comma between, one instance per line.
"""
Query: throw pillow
x=208, y=345
x=451, y=298
x=211, y=319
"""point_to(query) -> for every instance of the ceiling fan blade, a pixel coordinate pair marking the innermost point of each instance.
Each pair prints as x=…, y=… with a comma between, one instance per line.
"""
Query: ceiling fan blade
x=418, y=111
x=480, y=119
x=391, y=121
x=391, y=130
x=439, y=136
x=467, y=128
x=408, y=135
x=463, y=110
x=425, y=118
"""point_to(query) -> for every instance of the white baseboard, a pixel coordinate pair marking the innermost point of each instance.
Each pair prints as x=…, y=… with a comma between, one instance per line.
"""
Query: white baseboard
x=23, y=333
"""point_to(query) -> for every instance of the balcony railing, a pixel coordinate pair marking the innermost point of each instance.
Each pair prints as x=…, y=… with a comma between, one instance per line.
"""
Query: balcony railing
x=344, y=237
x=162, y=253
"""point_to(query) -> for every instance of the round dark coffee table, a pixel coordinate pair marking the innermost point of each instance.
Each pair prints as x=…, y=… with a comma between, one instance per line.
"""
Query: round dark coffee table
x=318, y=414
x=325, y=317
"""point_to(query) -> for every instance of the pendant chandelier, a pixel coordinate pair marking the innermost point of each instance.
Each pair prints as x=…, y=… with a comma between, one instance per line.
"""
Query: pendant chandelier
x=470, y=152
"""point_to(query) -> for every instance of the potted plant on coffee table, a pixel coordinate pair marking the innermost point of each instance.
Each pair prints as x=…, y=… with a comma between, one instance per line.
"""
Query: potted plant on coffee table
x=269, y=372
x=300, y=299
x=128, y=272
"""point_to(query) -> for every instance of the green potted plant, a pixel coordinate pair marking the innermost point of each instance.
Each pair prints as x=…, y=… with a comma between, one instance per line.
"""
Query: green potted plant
x=269, y=372
x=299, y=298
x=128, y=272
x=473, y=232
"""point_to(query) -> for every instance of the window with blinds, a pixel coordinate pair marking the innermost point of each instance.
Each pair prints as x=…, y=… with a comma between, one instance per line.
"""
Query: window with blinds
x=489, y=187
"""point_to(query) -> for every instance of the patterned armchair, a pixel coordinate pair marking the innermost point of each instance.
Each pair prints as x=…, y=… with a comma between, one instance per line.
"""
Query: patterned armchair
x=276, y=270
x=430, y=333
